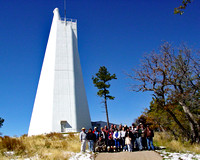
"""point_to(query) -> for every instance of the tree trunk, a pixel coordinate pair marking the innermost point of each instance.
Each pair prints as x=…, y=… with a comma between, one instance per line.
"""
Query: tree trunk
x=105, y=101
x=185, y=132
x=195, y=128
x=163, y=130
x=178, y=123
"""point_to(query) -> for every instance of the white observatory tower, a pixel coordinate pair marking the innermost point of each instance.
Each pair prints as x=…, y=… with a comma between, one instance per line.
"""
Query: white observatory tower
x=60, y=103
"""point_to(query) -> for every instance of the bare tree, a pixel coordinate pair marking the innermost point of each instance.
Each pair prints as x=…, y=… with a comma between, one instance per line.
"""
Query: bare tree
x=172, y=79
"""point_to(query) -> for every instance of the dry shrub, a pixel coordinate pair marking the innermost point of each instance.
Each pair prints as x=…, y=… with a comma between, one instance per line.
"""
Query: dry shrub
x=73, y=143
x=12, y=144
x=50, y=146
x=54, y=135
x=167, y=140
x=71, y=136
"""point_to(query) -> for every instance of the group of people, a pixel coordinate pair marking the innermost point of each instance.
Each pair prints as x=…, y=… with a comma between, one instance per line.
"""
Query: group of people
x=122, y=138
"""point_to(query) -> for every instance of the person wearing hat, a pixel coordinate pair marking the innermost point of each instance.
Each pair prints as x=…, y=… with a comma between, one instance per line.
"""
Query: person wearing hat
x=83, y=136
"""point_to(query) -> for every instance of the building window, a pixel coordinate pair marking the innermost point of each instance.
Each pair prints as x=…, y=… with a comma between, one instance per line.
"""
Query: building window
x=64, y=126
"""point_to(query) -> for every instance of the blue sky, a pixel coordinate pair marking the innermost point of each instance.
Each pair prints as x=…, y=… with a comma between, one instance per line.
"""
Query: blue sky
x=114, y=33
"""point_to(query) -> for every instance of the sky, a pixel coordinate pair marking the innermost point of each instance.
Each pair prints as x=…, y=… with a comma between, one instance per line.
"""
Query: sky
x=114, y=33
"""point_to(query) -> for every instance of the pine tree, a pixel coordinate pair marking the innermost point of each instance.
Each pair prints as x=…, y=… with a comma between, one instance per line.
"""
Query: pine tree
x=101, y=81
x=1, y=122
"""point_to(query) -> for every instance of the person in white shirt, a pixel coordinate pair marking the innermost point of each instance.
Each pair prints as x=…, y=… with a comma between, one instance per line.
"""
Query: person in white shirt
x=116, y=137
x=122, y=135
x=83, y=139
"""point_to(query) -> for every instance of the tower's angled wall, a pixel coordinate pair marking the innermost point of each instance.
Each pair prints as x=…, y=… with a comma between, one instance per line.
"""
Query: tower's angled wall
x=61, y=102
x=82, y=110
x=41, y=119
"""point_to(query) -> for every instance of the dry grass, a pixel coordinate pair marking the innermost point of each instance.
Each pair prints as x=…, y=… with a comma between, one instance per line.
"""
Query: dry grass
x=163, y=139
x=52, y=146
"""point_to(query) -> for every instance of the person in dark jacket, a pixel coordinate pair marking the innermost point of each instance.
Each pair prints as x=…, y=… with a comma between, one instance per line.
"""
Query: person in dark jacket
x=149, y=136
x=115, y=127
x=133, y=141
x=111, y=144
x=106, y=131
x=143, y=137
x=125, y=127
x=130, y=135
x=138, y=134
x=91, y=137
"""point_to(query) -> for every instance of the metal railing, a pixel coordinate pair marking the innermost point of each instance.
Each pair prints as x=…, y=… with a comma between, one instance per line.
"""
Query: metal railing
x=68, y=19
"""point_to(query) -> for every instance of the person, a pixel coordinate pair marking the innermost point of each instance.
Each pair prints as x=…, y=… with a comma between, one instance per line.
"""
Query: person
x=112, y=128
x=130, y=135
x=133, y=140
x=111, y=132
x=122, y=135
x=83, y=136
x=128, y=142
x=115, y=127
x=91, y=137
x=106, y=131
x=149, y=137
x=138, y=133
x=96, y=132
x=100, y=145
x=111, y=144
x=120, y=127
x=125, y=127
x=102, y=134
x=143, y=138
x=116, y=137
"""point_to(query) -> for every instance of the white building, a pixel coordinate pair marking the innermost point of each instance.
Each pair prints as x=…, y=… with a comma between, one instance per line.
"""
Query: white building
x=60, y=103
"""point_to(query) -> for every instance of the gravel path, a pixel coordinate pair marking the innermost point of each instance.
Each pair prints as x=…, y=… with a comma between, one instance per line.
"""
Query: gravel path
x=143, y=155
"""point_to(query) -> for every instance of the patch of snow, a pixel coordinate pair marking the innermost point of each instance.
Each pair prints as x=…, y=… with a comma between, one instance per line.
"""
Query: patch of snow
x=177, y=156
x=162, y=147
x=36, y=157
x=9, y=153
x=81, y=156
